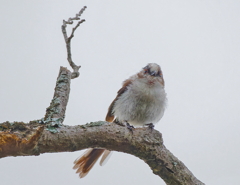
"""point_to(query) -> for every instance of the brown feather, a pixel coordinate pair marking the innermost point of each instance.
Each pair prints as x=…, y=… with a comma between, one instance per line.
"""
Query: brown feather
x=110, y=115
x=85, y=163
x=105, y=157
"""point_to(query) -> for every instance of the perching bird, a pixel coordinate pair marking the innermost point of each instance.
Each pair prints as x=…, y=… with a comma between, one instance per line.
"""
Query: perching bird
x=141, y=101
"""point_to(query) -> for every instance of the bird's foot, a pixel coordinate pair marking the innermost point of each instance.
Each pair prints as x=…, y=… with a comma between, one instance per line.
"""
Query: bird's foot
x=130, y=127
x=150, y=125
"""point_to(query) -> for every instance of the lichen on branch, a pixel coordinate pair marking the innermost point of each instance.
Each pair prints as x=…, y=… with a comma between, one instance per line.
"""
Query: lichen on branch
x=55, y=113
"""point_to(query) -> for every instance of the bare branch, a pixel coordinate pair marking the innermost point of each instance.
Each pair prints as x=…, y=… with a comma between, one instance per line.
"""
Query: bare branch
x=67, y=39
x=55, y=113
x=143, y=143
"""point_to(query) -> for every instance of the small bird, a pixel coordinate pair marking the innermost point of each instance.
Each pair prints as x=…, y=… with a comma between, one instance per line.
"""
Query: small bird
x=140, y=102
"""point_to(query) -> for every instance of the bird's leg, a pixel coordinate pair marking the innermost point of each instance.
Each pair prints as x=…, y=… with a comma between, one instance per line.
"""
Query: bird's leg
x=150, y=125
x=130, y=127
x=118, y=122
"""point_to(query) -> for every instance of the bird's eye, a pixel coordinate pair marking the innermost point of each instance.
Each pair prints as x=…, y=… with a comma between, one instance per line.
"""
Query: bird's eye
x=153, y=73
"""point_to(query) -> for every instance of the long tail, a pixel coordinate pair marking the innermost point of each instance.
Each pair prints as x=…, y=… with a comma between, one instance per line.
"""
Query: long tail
x=84, y=163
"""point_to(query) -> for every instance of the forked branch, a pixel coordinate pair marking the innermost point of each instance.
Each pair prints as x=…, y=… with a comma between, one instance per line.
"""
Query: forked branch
x=67, y=39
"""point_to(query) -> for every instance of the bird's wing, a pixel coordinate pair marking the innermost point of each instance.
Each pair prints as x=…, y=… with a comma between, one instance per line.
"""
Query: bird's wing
x=110, y=115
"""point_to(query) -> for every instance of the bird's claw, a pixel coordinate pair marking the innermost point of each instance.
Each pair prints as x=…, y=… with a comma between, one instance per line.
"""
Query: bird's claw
x=150, y=125
x=130, y=127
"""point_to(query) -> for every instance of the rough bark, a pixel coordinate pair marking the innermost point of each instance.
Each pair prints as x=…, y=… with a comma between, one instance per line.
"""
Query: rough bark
x=19, y=139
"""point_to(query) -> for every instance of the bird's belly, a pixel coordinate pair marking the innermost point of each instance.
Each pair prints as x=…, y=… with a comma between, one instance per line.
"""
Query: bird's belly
x=140, y=109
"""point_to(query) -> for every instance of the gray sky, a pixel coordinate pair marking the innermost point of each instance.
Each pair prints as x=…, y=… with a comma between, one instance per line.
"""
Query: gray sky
x=196, y=43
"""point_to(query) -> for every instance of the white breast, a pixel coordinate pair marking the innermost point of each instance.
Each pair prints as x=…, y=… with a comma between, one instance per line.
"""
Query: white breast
x=141, y=103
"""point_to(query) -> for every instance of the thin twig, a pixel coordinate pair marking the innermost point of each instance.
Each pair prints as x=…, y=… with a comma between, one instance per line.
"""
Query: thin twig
x=67, y=39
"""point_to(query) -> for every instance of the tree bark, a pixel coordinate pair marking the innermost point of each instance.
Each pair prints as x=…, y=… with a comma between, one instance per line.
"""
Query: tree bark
x=19, y=139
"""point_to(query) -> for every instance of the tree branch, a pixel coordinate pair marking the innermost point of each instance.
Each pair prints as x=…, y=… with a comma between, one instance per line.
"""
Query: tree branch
x=55, y=113
x=67, y=39
x=142, y=143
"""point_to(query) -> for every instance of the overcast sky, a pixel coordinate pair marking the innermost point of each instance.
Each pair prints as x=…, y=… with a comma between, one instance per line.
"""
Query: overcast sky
x=196, y=42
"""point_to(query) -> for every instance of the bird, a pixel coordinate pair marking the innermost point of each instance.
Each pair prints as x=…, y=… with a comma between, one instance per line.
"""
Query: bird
x=140, y=102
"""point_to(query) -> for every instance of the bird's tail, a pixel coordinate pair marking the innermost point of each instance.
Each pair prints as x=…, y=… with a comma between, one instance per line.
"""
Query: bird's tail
x=84, y=163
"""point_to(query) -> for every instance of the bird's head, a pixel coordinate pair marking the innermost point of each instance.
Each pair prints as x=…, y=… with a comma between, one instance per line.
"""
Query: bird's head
x=152, y=72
